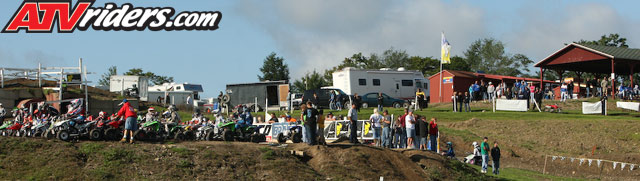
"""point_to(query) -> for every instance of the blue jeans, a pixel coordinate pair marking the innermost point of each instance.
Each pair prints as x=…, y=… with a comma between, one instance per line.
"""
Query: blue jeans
x=588, y=92
x=376, y=132
x=496, y=167
x=131, y=123
x=379, y=108
x=433, y=139
x=399, y=139
x=332, y=104
x=386, y=137
x=304, y=134
x=485, y=162
x=311, y=133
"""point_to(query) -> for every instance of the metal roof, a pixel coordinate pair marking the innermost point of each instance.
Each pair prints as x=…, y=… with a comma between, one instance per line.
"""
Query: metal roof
x=616, y=52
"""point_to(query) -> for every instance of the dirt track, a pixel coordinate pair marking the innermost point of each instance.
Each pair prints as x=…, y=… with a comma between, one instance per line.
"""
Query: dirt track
x=28, y=158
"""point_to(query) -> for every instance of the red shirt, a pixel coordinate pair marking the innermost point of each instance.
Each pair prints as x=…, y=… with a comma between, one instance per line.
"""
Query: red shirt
x=433, y=128
x=127, y=111
x=402, y=121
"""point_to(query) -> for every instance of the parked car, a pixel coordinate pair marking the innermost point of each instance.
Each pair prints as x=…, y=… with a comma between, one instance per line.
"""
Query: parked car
x=371, y=99
x=324, y=95
x=297, y=100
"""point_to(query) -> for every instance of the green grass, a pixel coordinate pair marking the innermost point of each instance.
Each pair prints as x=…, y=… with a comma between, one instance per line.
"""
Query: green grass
x=267, y=153
x=90, y=148
x=466, y=135
x=183, y=152
x=520, y=174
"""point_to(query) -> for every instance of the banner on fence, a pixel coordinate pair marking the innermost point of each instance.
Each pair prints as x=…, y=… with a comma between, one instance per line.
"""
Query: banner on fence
x=511, y=105
x=629, y=105
x=592, y=108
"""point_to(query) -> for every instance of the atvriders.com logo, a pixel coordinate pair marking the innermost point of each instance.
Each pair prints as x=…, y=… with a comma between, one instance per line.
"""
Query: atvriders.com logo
x=38, y=16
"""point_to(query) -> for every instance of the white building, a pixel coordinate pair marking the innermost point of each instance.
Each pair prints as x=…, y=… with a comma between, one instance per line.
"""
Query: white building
x=400, y=83
x=175, y=93
x=120, y=83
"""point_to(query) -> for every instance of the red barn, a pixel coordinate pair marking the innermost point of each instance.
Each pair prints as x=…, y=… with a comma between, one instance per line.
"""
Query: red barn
x=459, y=81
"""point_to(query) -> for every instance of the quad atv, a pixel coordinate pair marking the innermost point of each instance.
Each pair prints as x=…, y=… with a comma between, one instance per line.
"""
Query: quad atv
x=69, y=130
x=206, y=133
x=108, y=130
x=247, y=133
x=151, y=131
x=294, y=133
x=53, y=129
x=39, y=129
x=184, y=133
x=24, y=129
x=4, y=126
x=14, y=129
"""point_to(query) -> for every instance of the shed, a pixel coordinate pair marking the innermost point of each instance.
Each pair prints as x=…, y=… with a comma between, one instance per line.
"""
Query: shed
x=459, y=81
x=246, y=93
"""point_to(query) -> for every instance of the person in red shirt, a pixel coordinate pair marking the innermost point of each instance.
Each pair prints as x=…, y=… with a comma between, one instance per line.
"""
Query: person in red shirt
x=402, y=130
x=131, y=124
x=433, y=133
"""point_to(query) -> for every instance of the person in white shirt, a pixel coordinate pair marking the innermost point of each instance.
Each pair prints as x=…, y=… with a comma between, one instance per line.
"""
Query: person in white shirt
x=375, y=119
x=410, y=124
x=490, y=90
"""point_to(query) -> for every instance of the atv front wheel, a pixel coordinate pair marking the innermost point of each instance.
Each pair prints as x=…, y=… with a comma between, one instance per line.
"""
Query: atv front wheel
x=48, y=135
x=64, y=135
x=111, y=134
x=281, y=138
x=179, y=136
x=296, y=137
x=140, y=135
x=227, y=135
x=95, y=135
x=209, y=136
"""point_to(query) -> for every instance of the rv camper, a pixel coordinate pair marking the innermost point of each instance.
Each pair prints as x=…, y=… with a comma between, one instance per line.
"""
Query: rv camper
x=124, y=84
x=176, y=93
x=270, y=94
x=400, y=83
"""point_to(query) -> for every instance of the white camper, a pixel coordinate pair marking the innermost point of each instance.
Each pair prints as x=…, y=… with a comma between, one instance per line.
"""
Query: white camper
x=123, y=83
x=400, y=83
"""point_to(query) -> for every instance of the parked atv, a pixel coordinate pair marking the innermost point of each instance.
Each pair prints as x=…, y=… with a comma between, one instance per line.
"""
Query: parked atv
x=75, y=130
x=24, y=129
x=54, y=128
x=151, y=131
x=39, y=129
x=294, y=133
x=248, y=133
x=3, y=129
x=108, y=130
x=206, y=133
x=14, y=129
x=185, y=133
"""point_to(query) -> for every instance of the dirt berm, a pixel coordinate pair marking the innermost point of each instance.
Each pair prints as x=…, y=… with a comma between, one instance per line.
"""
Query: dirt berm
x=37, y=159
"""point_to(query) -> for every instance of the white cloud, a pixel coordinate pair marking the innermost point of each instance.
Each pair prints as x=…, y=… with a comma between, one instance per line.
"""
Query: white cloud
x=545, y=32
x=320, y=34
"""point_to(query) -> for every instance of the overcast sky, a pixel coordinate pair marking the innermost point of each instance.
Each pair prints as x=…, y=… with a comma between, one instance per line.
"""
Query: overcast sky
x=318, y=34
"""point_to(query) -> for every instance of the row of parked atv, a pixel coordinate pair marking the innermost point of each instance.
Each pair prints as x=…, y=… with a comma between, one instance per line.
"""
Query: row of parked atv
x=112, y=130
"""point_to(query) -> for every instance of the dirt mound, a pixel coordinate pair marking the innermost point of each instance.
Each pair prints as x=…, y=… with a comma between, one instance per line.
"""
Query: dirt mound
x=354, y=162
x=37, y=159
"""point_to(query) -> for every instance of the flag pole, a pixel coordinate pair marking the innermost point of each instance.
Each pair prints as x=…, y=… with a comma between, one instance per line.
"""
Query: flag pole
x=440, y=88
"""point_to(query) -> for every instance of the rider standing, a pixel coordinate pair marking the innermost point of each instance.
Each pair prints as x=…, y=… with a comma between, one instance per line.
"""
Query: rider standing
x=131, y=124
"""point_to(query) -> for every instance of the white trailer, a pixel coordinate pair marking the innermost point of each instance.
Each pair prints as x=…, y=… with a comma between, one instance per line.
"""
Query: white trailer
x=120, y=83
x=400, y=83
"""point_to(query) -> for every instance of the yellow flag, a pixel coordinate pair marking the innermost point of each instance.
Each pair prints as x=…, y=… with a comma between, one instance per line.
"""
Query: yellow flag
x=445, y=51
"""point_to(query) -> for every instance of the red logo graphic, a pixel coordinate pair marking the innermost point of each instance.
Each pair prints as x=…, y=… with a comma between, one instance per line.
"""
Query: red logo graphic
x=38, y=16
